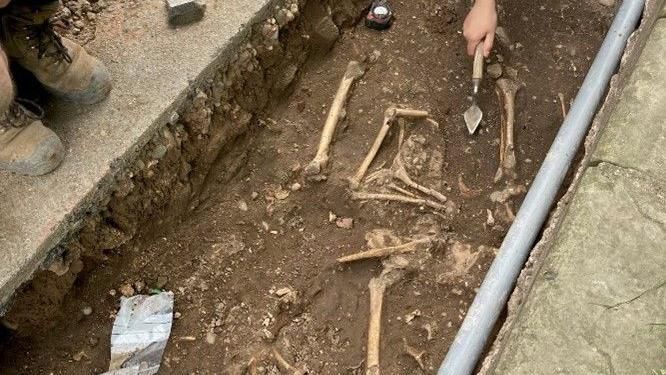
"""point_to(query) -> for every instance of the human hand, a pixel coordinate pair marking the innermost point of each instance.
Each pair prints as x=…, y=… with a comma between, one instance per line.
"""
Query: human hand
x=3, y=3
x=480, y=25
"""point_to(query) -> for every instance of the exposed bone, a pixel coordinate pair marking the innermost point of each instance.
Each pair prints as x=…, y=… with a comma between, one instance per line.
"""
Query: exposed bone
x=386, y=251
x=490, y=220
x=390, y=115
x=465, y=191
x=429, y=330
x=285, y=366
x=380, y=174
x=414, y=353
x=402, y=191
x=377, y=287
x=506, y=90
x=398, y=198
x=354, y=71
x=433, y=122
x=509, y=212
x=400, y=172
x=252, y=366
x=504, y=195
x=562, y=104
x=401, y=136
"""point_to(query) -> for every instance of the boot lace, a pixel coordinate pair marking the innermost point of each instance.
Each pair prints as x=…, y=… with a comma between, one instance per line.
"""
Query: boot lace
x=18, y=115
x=47, y=41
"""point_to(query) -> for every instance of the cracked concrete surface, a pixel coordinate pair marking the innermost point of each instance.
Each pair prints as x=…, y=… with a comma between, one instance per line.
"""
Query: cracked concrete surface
x=153, y=67
x=598, y=305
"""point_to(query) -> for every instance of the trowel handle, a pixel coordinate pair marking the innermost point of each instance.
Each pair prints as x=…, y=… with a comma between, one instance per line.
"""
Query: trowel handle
x=477, y=71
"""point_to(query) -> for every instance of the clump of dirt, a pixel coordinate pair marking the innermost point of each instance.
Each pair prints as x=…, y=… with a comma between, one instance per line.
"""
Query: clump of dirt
x=249, y=246
x=77, y=19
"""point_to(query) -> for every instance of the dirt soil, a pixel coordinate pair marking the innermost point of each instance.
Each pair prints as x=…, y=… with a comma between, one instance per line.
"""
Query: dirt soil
x=253, y=263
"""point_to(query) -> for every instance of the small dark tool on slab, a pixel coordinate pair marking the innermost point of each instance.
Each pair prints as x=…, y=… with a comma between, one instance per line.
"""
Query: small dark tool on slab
x=183, y=12
x=380, y=15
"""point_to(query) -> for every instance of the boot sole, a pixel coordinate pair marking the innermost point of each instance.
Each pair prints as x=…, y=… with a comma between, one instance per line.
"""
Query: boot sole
x=98, y=90
x=48, y=155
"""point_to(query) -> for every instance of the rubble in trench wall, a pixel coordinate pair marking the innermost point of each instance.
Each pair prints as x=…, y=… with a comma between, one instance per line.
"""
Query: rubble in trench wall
x=171, y=169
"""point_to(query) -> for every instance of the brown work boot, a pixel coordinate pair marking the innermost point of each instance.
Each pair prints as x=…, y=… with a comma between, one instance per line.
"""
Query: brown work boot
x=27, y=147
x=64, y=67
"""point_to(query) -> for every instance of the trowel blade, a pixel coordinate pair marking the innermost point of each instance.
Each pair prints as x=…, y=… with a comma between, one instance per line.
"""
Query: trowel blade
x=473, y=118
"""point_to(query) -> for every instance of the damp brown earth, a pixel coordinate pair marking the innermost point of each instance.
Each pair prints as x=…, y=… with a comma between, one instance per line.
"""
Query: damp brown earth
x=252, y=260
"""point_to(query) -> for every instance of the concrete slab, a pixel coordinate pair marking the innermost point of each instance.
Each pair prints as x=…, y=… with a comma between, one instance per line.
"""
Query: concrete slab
x=599, y=302
x=153, y=66
x=636, y=134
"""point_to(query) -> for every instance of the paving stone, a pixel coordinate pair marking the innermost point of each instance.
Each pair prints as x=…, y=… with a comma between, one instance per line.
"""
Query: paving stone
x=599, y=303
x=635, y=136
x=153, y=69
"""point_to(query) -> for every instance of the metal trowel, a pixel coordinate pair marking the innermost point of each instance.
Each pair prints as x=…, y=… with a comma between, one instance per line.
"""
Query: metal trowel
x=474, y=115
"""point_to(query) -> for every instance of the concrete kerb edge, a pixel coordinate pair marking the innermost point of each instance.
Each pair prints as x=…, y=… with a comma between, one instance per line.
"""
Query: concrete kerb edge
x=653, y=11
x=90, y=203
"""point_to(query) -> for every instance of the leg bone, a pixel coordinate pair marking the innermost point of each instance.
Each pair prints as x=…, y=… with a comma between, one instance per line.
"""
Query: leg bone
x=506, y=91
x=354, y=71
x=377, y=288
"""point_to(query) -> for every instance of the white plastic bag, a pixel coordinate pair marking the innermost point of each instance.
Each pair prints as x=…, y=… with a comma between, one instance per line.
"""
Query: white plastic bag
x=140, y=334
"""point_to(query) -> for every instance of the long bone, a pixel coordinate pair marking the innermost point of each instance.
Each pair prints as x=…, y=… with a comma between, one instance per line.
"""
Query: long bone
x=506, y=90
x=386, y=251
x=354, y=71
x=363, y=196
x=390, y=115
x=377, y=287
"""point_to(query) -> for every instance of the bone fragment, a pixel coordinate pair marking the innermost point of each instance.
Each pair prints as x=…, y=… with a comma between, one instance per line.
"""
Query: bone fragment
x=386, y=251
x=398, y=198
x=509, y=212
x=506, y=90
x=414, y=353
x=465, y=191
x=390, y=115
x=509, y=191
x=354, y=71
x=252, y=366
x=400, y=172
x=562, y=104
x=286, y=366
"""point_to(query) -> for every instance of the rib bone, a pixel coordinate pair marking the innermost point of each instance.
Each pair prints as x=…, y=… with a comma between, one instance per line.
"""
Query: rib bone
x=506, y=90
x=354, y=71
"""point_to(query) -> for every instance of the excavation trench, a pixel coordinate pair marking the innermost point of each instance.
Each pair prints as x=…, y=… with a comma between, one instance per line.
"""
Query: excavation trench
x=217, y=208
